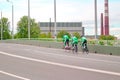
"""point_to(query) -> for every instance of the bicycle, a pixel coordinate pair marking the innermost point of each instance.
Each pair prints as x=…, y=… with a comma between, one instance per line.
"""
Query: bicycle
x=75, y=48
x=85, y=49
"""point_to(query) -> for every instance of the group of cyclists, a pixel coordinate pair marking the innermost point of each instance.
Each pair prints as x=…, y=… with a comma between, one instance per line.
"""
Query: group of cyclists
x=74, y=41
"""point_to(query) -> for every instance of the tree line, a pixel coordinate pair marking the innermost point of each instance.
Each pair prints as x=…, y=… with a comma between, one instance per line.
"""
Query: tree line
x=22, y=29
x=35, y=32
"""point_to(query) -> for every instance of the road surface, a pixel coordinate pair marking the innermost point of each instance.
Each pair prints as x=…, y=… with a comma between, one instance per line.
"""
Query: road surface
x=25, y=62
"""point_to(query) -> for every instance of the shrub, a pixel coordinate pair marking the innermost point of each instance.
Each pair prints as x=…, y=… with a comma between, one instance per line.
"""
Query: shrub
x=61, y=33
x=76, y=34
x=109, y=37
x=110, y=43
x=101, y=43
x=43, y=35
x=91, y=42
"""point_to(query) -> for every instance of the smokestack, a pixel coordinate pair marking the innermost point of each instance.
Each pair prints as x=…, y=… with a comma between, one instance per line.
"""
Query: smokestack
x=106, y=26
x=102, y=28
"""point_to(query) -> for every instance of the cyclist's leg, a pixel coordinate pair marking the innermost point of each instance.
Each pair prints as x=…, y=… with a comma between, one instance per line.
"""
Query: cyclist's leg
x=67, y=41
x=76, y=48
x=83, y=47
x=67, y=45
x=64, y=44
x=85, y=43
x=87, y=48
x=73, y=47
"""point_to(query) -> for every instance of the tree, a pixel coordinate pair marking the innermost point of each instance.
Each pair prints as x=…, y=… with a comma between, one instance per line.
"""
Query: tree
x=49, y=35
x=61, y=33
x=43, y=35
x=76, y=34
x=5, y=30
x=22, y=29
x=104, y=37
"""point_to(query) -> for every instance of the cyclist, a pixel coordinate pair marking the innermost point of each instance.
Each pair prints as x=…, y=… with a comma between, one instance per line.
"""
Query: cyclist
x=74, y=41
x=66, y=40
x=83, y=41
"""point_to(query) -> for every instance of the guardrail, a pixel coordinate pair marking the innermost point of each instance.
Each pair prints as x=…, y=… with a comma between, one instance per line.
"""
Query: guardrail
x=94, y=48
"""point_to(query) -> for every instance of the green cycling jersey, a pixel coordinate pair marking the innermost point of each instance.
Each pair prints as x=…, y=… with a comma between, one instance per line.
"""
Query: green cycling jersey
x=83, y=40
x=65, y=39
x=74, y=40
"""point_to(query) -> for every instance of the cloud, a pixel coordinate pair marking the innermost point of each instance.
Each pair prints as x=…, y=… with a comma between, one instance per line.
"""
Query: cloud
x=115, y=31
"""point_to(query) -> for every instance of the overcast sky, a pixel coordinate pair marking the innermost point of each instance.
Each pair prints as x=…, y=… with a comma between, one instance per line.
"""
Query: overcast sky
x=67, y=11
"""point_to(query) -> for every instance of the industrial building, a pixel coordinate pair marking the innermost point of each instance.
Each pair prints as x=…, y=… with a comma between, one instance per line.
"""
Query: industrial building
x=70, y=27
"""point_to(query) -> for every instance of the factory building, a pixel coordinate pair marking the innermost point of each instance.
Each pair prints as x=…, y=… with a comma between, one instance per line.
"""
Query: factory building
x=70, y=27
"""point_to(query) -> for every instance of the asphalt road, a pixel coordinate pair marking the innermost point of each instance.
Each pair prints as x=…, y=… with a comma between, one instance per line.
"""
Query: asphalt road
x=24, y=62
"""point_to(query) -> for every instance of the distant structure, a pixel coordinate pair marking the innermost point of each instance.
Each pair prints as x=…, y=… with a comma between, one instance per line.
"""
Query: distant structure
x=106, y=24
x=70, y=27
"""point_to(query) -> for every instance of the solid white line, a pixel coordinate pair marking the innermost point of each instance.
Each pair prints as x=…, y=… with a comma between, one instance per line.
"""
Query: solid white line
x=9, y=74
x=62, y=65
x=78, y=57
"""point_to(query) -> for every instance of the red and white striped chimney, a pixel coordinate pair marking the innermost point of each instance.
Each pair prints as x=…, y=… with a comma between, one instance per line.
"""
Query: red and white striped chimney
x=106, y=26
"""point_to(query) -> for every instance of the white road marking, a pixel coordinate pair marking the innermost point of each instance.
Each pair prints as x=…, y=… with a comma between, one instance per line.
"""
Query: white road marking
x=75, y=57
x=9, y=74
x=62, y=65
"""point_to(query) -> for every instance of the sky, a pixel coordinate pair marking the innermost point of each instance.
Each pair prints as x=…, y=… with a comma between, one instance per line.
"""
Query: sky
x=66, y=11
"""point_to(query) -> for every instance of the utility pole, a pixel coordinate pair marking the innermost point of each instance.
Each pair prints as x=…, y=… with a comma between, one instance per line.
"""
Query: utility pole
x=50, y=26
x=55, y=32
x=29, y=19
x=1, y=26
x=12, y=18
x=95, y=2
